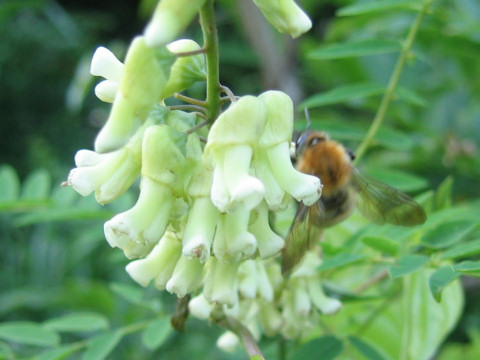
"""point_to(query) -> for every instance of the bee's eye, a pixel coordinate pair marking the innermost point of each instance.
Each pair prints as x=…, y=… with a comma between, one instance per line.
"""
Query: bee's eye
x=317, y=139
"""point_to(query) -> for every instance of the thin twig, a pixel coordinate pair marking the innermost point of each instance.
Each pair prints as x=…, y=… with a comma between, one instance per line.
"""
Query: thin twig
x=191, y=53
x=370, y=282
x=189, y=107
x=229, y=93
x=393, y=82
x=198, y=126
x=190, y=100
x=248, y=341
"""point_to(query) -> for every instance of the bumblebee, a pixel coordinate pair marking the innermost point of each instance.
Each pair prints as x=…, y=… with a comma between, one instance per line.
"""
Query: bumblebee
x=344, y=189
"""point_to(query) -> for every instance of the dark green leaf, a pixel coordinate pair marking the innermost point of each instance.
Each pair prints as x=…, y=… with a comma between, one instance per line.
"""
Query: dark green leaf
x=78, y=323
x=446, y=234
x=411, y=96
x=366, y=349
x=440, y=279
x=342, y=94
x=325, y=348
x=37, y=185
x=60, y=214
x=101, y=346
x=355, y=48
x=134, y=295
x=339, y=261
x=463, y=249
x=407, y=264
x=157, y=333
x=10, y=188
x=369, y=7
x=28, y=333
x=471, y=268
x=383, y=245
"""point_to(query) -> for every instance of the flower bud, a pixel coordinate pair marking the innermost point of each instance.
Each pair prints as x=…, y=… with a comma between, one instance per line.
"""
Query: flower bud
x=186, y=277
x=105, y=64
x=170, y=18
x=285, y=16
x=200, y=307
x=221, y=282
x=107, y=90
x=186, y=70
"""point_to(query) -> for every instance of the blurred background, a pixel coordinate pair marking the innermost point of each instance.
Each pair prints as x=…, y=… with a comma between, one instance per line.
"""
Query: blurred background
x=53, y=256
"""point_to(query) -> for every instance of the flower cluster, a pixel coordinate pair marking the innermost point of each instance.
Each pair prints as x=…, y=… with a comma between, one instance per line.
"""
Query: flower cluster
x=201, y=222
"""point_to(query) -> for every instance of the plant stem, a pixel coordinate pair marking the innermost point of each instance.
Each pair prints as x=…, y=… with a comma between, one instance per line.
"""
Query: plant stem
x=210, y=39
x=393, y=82
x=249, y=343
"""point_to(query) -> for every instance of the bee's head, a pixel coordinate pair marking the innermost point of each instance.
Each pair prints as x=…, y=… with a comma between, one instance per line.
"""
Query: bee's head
x=309, y=139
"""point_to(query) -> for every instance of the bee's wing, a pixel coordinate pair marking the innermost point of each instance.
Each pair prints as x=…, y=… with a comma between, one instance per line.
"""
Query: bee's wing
x=382, y=203
x=300, y=238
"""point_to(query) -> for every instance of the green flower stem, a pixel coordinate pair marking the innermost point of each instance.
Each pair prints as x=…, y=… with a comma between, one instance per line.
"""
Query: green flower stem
x=210, y=38
x=392, y=84
x=249, y=343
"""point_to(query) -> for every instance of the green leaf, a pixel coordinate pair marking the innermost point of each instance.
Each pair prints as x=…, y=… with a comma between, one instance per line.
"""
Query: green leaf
x=59, y=353
x=370, y=7
x=446, y=234
x=440, y=279
x=366, y=349
x=28, y=333
x=398, y=179
x=37, y=185
x=342, y=94
x=443, y=196
x=340, y=260
x=101, y=346
x=471, y=268
x=411, y=96
x=461, y=250
x=407, y=264
x=157, y=333
x=10, y=189
x=355, y=48
x=134, y=295
x=325, y=348
x=78, y=323
x=383, y=245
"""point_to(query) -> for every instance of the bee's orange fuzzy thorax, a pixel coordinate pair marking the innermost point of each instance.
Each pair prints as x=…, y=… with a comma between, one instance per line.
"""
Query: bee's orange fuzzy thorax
x=330, y=162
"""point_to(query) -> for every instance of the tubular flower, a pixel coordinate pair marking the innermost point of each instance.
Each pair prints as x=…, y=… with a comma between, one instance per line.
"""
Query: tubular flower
x=229, y=152
x=220, y=286
x=147, y=220
x=109, y=175
x=137, y=93
x=268, y=242
x=170, y=18
x=285, y=15
x=104, y=63
x=275, y=142
x=160, y=263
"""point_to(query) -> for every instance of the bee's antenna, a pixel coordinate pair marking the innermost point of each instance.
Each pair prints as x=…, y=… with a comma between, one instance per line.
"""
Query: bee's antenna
x=307, y=116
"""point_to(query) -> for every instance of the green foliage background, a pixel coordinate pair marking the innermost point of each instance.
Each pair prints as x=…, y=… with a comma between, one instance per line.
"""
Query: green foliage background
x=54, y=260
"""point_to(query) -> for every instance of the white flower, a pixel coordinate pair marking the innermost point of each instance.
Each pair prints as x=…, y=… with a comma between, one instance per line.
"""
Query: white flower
x=186, y=277
x=105, y=63
x=170, y=18
x=221, y=282
x=229, y=152
x=159, y=265
x=268, y=242
x=285, y=16
x=200, y=307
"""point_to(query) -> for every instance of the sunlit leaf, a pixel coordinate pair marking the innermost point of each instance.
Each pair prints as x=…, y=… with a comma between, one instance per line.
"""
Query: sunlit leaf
x=355, y=48
x=342, y=94
x=28, y=333
x=78, y=323
x=10, y=188
x=37, y=185
x=59, y=353
x=471, y=268
x=369, y=7
x=440, y=279
x=443, y=196
x=101, y=346
x=462, y=250
x=325, y=348
x=383, y=245
x=366, y=349
x=407, y=264
x=157, y=333
x=339, y=261
x=447, y=233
